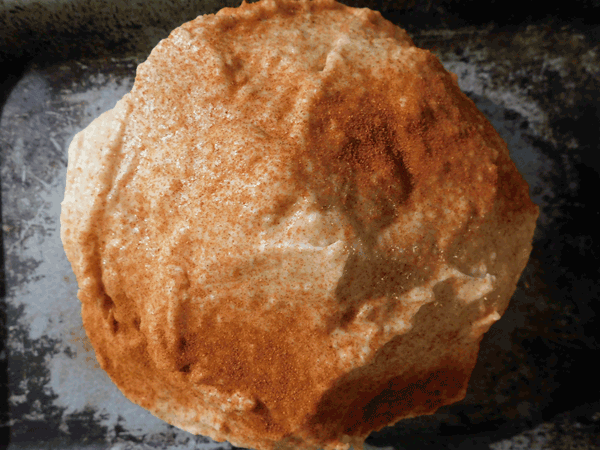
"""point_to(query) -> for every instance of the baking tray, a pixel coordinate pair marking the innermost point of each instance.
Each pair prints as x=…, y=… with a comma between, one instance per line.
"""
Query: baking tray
x=536, y=77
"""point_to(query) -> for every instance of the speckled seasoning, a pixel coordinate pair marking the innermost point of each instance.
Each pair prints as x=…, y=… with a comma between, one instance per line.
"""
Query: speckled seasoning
x=537, y=86
x=294, y=230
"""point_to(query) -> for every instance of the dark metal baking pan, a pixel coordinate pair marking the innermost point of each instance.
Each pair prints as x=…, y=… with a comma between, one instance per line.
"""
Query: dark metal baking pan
x=535, y=73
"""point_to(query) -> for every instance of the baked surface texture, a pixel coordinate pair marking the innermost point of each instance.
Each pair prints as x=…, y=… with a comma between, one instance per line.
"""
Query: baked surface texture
x=294, y=230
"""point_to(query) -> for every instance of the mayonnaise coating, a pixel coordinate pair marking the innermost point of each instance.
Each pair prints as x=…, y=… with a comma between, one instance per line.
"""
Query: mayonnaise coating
x=294, y=230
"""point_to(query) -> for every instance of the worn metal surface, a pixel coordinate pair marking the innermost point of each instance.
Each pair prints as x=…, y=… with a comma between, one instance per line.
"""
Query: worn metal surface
x=534, y=385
